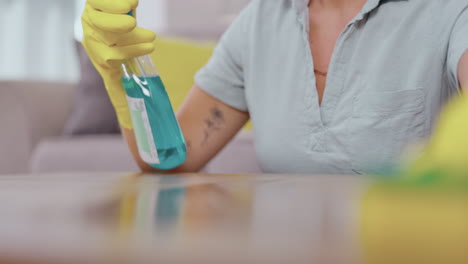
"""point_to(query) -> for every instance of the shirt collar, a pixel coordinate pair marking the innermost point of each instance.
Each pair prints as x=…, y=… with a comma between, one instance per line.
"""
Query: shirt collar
x=301, y=6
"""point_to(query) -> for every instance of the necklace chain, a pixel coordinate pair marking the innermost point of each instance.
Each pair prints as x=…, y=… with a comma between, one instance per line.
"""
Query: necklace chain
x=320, y=72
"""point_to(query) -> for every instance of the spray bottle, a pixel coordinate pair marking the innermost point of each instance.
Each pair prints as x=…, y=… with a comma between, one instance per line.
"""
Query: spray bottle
x=158, y=135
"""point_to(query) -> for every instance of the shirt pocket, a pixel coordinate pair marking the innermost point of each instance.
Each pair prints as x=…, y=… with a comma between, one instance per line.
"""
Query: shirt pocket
x=382, y=125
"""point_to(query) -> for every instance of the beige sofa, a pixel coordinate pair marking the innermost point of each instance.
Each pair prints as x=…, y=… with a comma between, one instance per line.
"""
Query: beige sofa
x=32, y=117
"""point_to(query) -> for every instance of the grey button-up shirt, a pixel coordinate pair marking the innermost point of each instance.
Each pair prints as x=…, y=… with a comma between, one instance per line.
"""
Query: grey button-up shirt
x=393, y=68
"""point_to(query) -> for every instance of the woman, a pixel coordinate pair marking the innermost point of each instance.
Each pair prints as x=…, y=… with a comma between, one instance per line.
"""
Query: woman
x=331, y=86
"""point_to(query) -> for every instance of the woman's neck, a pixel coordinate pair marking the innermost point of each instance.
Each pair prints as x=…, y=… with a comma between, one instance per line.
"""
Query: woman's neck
x=338, y=4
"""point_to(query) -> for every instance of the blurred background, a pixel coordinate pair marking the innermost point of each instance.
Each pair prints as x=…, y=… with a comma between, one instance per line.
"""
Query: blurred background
x=37, y=35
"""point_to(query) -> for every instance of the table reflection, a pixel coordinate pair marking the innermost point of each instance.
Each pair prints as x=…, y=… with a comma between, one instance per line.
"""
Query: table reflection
x=150, y=208
x=244, y=219
x=298, y=218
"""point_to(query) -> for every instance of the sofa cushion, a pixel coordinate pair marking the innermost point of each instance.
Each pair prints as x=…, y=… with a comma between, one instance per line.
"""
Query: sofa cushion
x=97, y=153
x=109, y=153
x=29, y=111
x=237, y=157
x=92, y=110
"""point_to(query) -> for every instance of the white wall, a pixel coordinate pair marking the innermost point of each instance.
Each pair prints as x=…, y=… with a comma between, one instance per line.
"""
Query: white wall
x=36, y=40
x=152, y=14
x=202, y=19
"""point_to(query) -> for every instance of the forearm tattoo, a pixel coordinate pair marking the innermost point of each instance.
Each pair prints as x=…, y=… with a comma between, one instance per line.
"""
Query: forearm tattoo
x=213, y=123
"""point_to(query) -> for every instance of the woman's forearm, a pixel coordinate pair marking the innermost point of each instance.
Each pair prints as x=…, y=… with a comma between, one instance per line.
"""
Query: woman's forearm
x=207, y=124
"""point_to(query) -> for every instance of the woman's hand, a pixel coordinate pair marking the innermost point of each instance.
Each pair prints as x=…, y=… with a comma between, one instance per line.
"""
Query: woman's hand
x=111, y=36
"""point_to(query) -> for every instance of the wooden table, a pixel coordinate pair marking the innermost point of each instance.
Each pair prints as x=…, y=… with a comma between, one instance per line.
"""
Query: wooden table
x=118, y=218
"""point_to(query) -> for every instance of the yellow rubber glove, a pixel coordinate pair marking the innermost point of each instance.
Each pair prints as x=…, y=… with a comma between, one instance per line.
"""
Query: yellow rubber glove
x=449, y=145
x=420, y=216
x=111, y=36
x=414, y=224
x=447, y=151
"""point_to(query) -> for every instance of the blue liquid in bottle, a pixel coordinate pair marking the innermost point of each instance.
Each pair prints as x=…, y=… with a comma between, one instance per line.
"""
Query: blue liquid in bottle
x=159, y=138
x=158, y=135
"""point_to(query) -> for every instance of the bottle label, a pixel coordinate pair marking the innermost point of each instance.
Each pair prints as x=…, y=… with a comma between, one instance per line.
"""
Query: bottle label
x=143, y=132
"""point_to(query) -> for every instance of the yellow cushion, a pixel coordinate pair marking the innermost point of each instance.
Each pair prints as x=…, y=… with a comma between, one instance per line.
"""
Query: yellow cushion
x=177, y=62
